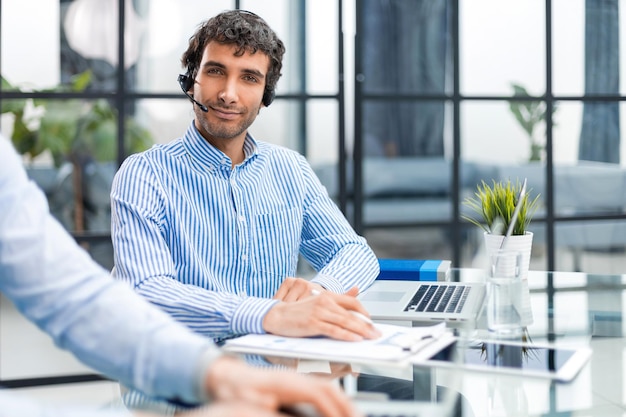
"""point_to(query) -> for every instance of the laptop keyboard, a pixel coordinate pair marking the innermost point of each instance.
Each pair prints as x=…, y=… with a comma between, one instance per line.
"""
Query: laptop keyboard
x=439, y=298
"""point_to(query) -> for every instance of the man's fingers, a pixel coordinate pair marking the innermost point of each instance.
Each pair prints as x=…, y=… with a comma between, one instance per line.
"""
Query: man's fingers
x=339, y=323
x=353, y=292
x=284, y=288
x=327, y=314
x=352, y=324
x=297, y=292
x=294, y=289
x=349, y=302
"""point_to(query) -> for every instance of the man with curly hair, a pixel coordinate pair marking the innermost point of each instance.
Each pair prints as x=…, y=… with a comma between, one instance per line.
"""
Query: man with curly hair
x=210, y=226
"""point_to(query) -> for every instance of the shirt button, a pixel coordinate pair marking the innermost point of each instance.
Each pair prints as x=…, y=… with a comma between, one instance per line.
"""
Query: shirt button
x=242, y=219
x=244, y=257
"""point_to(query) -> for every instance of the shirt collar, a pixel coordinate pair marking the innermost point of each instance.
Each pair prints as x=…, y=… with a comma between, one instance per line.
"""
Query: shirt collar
x=209, y=156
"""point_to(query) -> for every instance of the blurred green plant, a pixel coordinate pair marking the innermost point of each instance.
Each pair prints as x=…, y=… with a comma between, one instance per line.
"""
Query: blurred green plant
x=72, y=130
x=530, y=114
x=494, y=204
x=77, y=131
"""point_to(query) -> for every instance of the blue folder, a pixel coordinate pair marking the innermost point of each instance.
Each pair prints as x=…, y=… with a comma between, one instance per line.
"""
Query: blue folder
x=413, y=269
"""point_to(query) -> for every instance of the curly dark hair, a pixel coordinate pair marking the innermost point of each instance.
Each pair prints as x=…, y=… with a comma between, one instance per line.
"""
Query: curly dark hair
x=242, y=28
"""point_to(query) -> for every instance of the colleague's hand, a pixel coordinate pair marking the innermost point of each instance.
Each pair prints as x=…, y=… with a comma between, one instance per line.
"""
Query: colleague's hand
x=294, y=289
x=230, y=379
x=326, y=314
x=230, y=409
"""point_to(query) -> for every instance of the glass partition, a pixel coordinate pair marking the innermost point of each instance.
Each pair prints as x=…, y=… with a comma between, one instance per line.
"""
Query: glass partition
x=501, y=43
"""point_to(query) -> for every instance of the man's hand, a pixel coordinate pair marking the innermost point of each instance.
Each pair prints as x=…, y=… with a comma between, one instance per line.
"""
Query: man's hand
x=231, y=380
x=326, y=314
x=294, y=289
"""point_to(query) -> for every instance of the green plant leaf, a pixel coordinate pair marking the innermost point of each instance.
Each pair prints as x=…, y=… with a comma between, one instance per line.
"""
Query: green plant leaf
x=72, y=129
x=80, y=82
x=11, y=105
x=529, y=114
x=498, y=201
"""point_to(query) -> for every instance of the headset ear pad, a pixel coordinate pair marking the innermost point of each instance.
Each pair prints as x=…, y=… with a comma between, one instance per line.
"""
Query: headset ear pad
x=268, y=97
x=185, y=81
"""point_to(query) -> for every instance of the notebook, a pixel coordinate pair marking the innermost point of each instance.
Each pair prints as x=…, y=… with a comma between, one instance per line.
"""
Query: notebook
x=452, y=302
x=396, y=344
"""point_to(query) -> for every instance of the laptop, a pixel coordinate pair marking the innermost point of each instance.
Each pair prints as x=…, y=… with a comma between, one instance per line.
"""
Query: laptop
x=424, y=301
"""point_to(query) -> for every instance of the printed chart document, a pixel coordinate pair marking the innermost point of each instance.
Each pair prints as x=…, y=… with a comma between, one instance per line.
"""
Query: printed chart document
x=397, y=343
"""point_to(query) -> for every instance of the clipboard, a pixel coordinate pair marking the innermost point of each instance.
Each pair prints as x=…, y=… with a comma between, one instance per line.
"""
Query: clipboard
x=396, y=344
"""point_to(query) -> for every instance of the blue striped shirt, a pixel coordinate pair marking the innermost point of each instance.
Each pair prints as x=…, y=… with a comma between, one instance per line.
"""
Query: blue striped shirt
x=211, y=244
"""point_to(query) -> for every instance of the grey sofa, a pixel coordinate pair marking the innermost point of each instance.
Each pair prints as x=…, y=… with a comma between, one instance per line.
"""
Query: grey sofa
x=399, y=191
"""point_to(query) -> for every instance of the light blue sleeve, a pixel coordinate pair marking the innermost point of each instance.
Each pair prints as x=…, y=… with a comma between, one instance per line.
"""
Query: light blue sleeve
x=55, y=284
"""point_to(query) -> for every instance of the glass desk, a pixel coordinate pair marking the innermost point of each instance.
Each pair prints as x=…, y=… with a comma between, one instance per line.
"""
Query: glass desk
x=568, y=309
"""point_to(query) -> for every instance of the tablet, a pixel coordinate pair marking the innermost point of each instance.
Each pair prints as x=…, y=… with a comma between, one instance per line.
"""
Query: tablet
x=547, y=361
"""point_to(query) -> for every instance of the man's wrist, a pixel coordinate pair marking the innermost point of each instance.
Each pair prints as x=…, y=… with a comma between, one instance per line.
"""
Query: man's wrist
x=250, y=315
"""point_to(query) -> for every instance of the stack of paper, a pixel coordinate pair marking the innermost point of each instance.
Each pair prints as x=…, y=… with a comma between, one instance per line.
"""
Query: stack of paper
x=397, y=343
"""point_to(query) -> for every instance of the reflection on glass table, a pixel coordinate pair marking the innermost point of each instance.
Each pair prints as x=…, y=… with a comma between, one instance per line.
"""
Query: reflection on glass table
x=572, y=311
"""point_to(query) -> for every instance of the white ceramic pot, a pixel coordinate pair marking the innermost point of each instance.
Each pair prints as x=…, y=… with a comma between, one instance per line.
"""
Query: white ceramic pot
x=521, y=243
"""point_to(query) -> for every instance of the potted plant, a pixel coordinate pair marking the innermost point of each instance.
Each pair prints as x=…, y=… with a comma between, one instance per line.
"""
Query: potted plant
x=492, y=206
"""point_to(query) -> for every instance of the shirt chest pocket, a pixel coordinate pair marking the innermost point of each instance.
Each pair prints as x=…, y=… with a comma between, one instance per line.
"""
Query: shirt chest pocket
x=278, y=242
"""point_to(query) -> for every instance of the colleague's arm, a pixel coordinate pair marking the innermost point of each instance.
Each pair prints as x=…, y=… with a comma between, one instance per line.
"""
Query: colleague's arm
x=55, y=283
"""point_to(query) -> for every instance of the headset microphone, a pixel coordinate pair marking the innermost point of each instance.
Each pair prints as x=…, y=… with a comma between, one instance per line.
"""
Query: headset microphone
x=186, y=82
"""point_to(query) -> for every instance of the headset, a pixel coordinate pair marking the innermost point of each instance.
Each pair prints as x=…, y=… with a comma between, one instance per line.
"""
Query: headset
x=186, y=82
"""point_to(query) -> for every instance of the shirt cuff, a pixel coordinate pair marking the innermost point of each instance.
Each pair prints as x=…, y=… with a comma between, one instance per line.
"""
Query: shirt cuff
x=248, y=317
x=330, y=283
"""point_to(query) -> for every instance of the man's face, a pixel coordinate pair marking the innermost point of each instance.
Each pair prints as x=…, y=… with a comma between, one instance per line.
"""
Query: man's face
x=231, y=87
